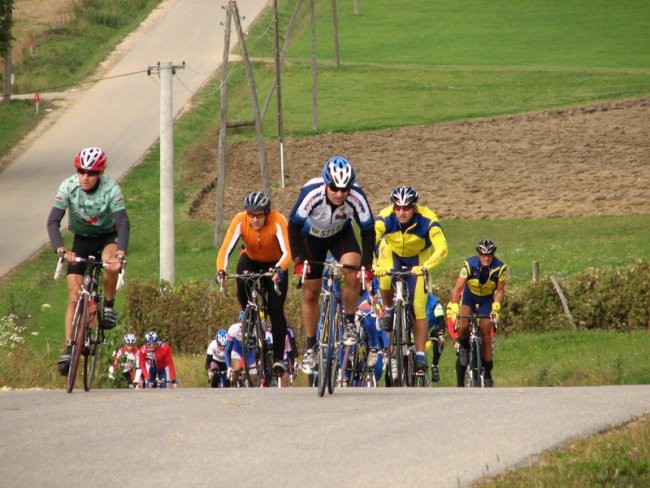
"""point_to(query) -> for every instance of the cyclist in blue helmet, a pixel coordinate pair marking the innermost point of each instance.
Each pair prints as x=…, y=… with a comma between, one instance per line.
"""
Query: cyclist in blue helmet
x=215, y=360
x=321, y=222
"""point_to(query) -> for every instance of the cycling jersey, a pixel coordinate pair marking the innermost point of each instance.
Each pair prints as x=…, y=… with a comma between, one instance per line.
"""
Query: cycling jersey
x=482, y=281
x=157, y=360
x=217, y=352
x=125, y=359
x=314, y=215
x=421, y=236
x=269, y=244
x=91, y=213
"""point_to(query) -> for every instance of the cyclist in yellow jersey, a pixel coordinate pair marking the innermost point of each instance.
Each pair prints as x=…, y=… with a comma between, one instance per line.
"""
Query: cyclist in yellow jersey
x=482, y=285
x=408, y=235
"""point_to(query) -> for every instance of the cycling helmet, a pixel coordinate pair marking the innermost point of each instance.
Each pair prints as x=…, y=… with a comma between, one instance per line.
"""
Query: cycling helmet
x=129, y=339
x=221, y=336
x=241, y=316
x=91, y=159
x=486, y=246
x=338, y=173
x=150, y=337
x=257, y=200
x=404, y=196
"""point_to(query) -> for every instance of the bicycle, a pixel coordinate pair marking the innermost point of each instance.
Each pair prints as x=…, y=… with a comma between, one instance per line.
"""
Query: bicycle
x=254, y=331
x=474, y=374
x=330, y=322
x=87, y=335
x=401, y=350
x=356, y=371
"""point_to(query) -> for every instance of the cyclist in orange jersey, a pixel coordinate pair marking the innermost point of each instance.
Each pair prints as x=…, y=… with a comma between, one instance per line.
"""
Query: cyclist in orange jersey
x=266, y=247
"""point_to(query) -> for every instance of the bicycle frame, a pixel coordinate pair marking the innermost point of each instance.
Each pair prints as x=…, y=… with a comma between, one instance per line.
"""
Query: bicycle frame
x=87, y=334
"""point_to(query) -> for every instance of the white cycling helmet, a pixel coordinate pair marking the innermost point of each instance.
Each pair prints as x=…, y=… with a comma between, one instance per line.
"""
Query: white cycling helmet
x=338, y=173
x=91, y=159
x=129, y=339
x=404, y=196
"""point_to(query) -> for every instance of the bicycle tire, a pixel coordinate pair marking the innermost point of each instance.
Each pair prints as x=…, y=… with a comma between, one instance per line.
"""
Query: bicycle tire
x=249, y=342
x=335, y=345
x=323, y=353
x=94, y=339
x=478, y=372
x=261, y=355
x=78, y=326
x=398, y=331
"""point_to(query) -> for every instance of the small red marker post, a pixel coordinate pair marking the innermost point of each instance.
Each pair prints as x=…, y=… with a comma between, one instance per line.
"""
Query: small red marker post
x=37, y=101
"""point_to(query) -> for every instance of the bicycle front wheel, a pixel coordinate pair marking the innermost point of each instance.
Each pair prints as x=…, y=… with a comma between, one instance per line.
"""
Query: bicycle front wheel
x=249, y=346
x=78, y=329
x=92, y=341
x=336, y=346
x=324, y=365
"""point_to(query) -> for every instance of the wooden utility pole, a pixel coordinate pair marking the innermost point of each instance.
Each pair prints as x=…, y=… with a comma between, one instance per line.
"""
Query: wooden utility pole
x=356, y=7
x=6, y=28
x=256, y=109
x=278, y=90
x=335, y=28
x=221, y=161
x=314, y=65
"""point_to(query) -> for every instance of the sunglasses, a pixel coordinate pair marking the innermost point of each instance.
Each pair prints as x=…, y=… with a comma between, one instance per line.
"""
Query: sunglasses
x=256, y=215
x=87, y=172
x=336, y=189
x=403, y=208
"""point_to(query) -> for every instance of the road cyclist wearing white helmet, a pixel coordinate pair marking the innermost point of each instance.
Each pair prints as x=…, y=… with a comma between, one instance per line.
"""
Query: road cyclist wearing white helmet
x=215, y=360
x=98, y=219
x=125, y=360
x=409, y=236
x=321, y=222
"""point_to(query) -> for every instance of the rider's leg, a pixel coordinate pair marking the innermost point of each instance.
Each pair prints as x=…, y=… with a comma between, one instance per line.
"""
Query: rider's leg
x=486, y=337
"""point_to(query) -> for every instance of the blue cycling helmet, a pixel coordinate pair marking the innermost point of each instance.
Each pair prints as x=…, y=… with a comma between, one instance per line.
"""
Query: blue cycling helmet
x=221, y=336
x=150, y=337
x=338, y=173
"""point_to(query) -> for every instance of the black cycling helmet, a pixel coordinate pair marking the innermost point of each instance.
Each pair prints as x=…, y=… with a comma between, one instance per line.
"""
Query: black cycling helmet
x=486, y=246
x=404, y=196
x=257, y=200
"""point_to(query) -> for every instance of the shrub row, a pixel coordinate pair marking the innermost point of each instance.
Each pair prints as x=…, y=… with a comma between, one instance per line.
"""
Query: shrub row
x=187, y=315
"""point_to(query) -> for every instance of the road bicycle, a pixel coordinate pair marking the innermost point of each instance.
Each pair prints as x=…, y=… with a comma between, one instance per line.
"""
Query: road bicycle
x=400, y=368
x=331, y=322
x=354, y=369
x=254, y=325
x=474, y=373
x=87, y=334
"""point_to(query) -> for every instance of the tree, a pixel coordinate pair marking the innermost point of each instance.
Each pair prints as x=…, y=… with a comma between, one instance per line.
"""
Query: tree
x=6, y=23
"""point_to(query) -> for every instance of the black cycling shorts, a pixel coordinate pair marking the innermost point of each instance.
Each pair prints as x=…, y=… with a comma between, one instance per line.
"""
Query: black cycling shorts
x=316, y=249
x=84, y=246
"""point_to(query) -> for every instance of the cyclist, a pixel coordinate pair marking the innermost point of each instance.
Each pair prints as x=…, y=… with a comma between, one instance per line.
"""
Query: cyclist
x=125, y=359
x=235, y=363
x=482, y=284
x=215, y=360
x=321, y=221
x=412, y=238
x=156, y=361
x=436, y=320
x=266, y=247
x=100, y=224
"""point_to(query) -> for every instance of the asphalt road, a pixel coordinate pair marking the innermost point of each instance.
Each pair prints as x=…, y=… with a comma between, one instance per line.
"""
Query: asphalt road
x=121, y=115
x=440, y=437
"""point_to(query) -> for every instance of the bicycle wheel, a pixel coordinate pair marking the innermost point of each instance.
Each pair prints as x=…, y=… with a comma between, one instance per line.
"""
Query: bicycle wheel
x=249, y=344
x=398, y=332
x=78, y=326
x=93, y=341
x=261, y=355
x=336, y=346
x=479, y=380
x=323, y=345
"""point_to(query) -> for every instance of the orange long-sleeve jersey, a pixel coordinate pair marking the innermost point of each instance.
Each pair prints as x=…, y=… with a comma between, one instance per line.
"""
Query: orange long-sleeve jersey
x=269, y=244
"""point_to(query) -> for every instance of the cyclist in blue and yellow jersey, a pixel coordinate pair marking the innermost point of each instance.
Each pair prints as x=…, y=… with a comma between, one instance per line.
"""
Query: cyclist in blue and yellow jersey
x=482, y=284
x=321, y=222
x=101, y=228
x=408, y=235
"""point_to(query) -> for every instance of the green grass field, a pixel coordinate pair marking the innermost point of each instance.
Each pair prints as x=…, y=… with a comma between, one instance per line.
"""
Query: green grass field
x=404, y=64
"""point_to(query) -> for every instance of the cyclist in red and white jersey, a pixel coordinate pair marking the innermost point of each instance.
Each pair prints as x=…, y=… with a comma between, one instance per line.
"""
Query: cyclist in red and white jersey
x=125, y=359
x=156, y=361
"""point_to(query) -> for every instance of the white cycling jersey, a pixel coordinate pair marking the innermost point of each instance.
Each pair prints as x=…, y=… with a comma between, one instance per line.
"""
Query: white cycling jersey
x=218, y=352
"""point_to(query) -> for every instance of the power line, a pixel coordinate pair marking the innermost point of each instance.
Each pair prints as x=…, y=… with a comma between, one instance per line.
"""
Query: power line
x=40, y=90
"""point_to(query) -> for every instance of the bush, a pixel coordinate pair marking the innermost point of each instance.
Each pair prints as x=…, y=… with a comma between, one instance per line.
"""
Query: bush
x=603, y=298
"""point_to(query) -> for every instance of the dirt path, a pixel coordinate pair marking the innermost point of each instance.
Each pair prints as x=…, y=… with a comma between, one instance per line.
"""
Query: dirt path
x=592, y=160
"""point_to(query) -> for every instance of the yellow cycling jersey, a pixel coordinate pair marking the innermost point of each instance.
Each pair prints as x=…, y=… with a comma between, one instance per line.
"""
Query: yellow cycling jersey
x=422, y=233
x=482, y=281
